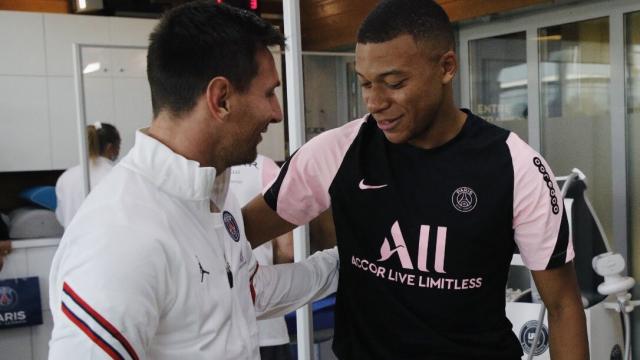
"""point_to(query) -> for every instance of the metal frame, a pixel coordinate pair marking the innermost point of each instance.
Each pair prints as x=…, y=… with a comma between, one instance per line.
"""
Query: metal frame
x=615, y=11
x=295, y=116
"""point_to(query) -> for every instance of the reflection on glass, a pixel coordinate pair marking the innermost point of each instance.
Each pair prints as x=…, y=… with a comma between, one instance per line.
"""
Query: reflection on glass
x=574, y=99
x=499, y=81
x=632, y=36
x=331, y=93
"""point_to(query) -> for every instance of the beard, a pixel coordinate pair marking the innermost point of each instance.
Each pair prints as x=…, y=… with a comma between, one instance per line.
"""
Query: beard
x=241, y=153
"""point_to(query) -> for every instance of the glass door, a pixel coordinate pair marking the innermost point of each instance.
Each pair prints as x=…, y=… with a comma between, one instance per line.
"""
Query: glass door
x=574, y=101
x=583, y=101
x=632, y=51
x=498, y=81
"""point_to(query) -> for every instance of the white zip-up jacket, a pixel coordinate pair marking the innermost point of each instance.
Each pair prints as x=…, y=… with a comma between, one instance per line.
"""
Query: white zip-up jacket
x=146, y=270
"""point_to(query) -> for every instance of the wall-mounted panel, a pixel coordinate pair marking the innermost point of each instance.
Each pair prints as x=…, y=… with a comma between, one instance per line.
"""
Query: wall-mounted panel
x=22, y=42
x=127, y=31
x=24, y=124
x=61, y=31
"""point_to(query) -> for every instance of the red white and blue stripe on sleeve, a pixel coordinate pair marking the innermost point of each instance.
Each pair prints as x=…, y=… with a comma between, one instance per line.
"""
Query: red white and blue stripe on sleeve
x=95, y=326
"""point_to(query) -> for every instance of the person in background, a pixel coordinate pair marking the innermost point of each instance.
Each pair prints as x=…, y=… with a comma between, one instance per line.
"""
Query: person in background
x=247, y=181
x=104, y=148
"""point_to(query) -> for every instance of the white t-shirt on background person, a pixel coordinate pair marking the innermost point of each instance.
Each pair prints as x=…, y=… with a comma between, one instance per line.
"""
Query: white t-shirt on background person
x=69, y=192
x=246, y=182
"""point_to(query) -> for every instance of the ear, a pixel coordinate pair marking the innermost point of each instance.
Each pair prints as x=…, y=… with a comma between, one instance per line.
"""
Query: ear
x=449, y=66
x=217, y=97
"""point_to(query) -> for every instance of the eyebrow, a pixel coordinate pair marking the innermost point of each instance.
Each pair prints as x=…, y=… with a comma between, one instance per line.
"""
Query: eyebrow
x=385, y=74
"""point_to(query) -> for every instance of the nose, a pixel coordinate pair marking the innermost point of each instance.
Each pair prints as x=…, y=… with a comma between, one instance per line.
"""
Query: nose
x=375, y=100
x=276, y=111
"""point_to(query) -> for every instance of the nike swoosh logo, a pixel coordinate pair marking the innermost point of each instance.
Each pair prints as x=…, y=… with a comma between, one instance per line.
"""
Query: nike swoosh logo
x=364, y=186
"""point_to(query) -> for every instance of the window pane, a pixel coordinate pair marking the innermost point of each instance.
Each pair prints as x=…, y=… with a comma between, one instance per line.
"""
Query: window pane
x=499, y=81
x=576, y=124
x=632, y=22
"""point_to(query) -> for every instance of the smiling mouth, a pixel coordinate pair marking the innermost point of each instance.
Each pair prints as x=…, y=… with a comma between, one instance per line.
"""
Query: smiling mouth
x=386, y=125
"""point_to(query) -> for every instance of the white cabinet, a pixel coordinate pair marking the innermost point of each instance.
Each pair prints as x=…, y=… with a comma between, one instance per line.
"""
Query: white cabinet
x=129, y=63
x=126, y=31
x=38, y=119
x=117, y=93
x=62, y=120
x=120, y=97
x=99, y=105
x=24, y=127
x=22, y=43
x=133, y=109
x=61, y=31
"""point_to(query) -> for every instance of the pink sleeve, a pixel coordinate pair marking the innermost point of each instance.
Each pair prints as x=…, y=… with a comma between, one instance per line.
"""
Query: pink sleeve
x=540, y=225
x=301, y=190
x=269, y=171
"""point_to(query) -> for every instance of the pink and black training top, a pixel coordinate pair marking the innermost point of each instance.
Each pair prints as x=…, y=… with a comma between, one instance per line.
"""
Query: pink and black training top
x=426, y=236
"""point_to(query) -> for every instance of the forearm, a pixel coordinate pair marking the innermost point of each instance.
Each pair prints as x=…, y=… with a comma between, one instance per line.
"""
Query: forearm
x=283, y=249
x=281, y=289
x=568, y=332
x=262, y=224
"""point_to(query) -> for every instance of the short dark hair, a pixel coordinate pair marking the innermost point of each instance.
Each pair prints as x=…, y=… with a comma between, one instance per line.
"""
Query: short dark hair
x=197, y=41
x=425, y=20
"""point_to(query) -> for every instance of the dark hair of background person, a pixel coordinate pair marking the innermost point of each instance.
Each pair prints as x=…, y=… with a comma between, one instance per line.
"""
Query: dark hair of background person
x=101, y=136
x=197, y=41
x=424, y=20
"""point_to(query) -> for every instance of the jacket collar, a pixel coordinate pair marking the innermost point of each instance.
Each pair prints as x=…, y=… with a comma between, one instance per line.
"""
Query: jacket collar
x=171, y=172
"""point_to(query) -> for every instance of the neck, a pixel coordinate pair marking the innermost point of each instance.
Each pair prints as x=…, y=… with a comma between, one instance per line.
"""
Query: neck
x=189, y=136
x=446, y=123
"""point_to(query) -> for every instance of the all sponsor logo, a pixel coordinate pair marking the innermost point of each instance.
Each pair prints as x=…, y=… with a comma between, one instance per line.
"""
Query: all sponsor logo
x=400, y=248
x=464, y=199
x=547, y=179
x=528, y=334
x=432, y=273
x=231, y=225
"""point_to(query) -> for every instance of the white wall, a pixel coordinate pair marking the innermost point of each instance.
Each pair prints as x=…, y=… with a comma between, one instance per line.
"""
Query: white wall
x=38, y=121
x=38, y=128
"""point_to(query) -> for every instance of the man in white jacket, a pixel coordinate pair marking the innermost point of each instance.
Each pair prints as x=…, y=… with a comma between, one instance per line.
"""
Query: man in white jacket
x=156, y=263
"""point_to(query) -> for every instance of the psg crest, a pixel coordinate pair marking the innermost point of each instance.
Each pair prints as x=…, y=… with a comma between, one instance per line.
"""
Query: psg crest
x=231, y=225
x=464, y=199
x=8, y=297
